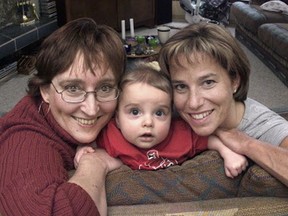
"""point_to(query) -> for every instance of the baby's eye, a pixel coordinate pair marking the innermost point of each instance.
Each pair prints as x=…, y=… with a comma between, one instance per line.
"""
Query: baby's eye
x=160, y=113
x=135, y=111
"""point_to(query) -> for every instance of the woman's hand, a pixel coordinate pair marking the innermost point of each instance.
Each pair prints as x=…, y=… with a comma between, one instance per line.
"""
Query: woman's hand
x=88, y=156
x=91, y=174
x=271, y=158
x=234, y=163
x=81, y=150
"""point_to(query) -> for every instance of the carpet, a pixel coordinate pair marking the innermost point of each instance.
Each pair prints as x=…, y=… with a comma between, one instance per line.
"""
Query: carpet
x=264, y=85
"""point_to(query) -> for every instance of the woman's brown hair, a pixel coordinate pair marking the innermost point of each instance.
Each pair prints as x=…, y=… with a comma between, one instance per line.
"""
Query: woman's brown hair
x=100, y=45
x=211, y=40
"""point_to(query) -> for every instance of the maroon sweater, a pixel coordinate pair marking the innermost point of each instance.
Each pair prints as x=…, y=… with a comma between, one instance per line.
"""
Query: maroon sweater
x=35, y=156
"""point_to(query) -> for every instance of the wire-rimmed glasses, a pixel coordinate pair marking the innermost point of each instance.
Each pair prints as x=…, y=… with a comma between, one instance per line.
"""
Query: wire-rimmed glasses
x=102, y=94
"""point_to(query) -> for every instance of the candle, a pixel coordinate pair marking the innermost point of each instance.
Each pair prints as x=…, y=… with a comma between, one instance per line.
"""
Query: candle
x=132, y=27
x=123, y=29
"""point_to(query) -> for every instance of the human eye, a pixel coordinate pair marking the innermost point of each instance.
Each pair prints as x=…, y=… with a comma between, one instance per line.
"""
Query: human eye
x=105, y=89
x=209, y=83
x=163, y=112
x=73, y=89
x=160, y=113
x=134, y=111
x=180, y=87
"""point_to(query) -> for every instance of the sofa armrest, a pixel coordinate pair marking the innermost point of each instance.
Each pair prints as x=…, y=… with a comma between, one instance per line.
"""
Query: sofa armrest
x=258, y=182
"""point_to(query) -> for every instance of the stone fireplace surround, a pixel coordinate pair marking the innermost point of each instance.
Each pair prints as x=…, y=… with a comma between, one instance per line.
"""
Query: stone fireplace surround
x=14, y=37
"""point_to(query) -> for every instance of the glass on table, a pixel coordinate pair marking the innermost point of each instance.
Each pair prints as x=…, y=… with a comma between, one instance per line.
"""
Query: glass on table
x=153, y=42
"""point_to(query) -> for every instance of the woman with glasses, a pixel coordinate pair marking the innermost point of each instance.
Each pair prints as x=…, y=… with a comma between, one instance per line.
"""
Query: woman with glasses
x=70, y=99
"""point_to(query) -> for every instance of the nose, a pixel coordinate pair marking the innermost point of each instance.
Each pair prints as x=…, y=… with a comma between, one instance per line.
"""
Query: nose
x=148, y=121
x=90, y=105
x=195, y=100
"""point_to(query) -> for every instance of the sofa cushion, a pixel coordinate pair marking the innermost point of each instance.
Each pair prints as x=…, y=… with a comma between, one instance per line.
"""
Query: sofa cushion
x=275, y=36
x=200, y=178
x=252, y=16
x=257, y=182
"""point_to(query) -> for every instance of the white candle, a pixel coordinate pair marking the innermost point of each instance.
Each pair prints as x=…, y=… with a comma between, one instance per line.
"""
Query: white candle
x=132, y=27
x=123, y=29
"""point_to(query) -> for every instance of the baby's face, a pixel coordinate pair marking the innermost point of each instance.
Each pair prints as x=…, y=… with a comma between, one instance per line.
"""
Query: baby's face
x=144, y=115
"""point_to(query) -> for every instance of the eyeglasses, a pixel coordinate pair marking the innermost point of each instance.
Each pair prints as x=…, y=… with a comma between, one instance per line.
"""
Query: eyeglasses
x=76, y=95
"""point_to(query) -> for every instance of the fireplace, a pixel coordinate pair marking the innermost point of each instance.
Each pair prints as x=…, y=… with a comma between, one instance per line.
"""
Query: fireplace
x=21, y=27
x=15, y=12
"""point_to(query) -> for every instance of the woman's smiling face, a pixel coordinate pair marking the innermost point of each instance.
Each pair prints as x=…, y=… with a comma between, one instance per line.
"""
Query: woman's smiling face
x=84, y=120
x=203, y=94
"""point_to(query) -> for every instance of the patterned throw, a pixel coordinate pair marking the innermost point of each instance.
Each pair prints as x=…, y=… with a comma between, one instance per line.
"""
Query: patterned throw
x=276, y=6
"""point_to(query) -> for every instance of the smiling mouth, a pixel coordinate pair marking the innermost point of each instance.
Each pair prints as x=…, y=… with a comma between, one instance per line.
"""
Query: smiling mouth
x=86, y=121
x=202, y=115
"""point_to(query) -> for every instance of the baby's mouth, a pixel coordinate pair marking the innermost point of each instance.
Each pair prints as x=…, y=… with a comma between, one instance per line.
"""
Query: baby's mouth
x=146, y=135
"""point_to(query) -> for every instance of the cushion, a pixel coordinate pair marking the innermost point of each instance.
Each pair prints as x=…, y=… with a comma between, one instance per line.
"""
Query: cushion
x=275, y=37
x=275, y=5
x=200, y=178
x=258, y=182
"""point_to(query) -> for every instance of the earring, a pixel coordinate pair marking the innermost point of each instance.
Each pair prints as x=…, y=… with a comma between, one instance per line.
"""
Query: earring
x=235, y=90
x=40, y=106
x=41, y=109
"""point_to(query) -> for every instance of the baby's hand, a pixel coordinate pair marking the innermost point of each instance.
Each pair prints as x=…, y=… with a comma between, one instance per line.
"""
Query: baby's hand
x=234, y=164
x=81, y=150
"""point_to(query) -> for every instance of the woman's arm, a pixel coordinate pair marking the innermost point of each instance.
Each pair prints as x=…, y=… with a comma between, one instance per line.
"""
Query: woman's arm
x=234, y=163
x=34, y=178
x=90, y=175
x=274, y=159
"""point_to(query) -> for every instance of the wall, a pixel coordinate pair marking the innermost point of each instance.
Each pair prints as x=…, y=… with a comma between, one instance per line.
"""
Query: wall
x=177, y=12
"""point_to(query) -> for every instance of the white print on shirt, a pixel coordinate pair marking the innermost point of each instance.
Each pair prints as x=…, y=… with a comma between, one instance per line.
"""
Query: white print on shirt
x=155, y=162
